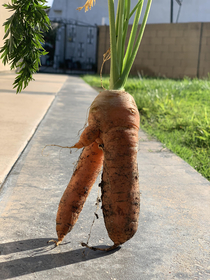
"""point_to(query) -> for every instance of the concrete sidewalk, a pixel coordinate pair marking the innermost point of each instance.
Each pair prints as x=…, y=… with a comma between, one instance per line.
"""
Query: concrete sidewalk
x=20, y=114
x=173, y=240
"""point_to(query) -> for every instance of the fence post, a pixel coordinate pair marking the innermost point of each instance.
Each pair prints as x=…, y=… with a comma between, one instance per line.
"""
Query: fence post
x=199, y=50
x=172, y=10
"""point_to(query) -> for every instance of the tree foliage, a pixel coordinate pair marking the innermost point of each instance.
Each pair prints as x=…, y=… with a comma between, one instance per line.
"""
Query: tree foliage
x=24, y=38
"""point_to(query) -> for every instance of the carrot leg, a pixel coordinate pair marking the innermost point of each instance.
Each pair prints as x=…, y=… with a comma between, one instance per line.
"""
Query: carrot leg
x=74, y=197
x=120, y=185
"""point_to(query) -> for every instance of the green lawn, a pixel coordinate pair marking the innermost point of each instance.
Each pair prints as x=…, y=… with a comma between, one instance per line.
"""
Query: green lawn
x=177, y=112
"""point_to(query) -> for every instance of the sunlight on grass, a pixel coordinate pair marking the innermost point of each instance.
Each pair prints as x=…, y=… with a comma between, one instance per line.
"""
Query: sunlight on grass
x=175, y=112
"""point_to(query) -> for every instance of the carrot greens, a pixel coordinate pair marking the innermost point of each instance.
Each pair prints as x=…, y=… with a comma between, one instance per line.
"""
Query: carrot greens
x=121, y=60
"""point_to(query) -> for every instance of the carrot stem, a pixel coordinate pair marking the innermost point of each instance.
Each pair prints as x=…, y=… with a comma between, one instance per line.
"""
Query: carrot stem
x=121, y=63
x=114, y=67
x=133, y=33
x=121, y=5
x=126, y=21
x=129, y=62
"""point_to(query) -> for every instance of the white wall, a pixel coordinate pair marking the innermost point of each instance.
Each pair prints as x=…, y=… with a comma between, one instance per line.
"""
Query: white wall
x=191, y=11
x=67, y=9
x=195, y=11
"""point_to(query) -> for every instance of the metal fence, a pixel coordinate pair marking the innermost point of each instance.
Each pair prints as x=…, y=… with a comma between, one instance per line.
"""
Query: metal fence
x=75, y=48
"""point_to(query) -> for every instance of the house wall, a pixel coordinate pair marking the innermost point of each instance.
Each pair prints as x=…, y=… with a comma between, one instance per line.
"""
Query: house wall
x=191, y=11
x=4, y=14
x=170, y=50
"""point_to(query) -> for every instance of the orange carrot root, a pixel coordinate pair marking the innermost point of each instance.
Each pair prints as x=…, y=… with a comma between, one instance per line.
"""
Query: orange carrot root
x=112, y=135
x=74, y=197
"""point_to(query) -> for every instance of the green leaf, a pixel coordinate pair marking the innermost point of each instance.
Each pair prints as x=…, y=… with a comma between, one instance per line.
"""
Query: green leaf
x=24, y=33
x=121, y=61
x=135, y=8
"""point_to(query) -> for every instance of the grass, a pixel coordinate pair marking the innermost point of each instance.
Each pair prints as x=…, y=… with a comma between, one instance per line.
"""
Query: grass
x=176, y=112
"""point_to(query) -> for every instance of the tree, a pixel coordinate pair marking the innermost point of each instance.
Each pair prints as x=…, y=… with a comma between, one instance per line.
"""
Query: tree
x=24, y=38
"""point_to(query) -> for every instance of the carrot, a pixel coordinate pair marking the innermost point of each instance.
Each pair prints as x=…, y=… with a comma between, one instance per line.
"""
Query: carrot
x=74, y=197
x=112, y=134
x=113, y=125
x=117, y=116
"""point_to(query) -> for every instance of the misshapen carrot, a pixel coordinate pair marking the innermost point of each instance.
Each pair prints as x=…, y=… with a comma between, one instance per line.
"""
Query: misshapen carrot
x=113, y=125
x=74, y=197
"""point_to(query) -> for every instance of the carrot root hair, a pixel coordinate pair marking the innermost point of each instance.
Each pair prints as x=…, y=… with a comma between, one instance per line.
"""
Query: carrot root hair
x=57, y=242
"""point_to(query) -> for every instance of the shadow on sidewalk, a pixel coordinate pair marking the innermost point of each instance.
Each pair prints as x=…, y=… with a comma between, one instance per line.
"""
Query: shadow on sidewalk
x=40, y=259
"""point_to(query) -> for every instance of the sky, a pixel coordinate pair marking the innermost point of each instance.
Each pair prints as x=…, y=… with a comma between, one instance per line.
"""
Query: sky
x=49, y=2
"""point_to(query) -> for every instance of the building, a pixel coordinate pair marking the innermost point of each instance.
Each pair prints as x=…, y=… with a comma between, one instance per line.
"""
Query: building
x=189, y=11
x=77, y=27
x=76, y=40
